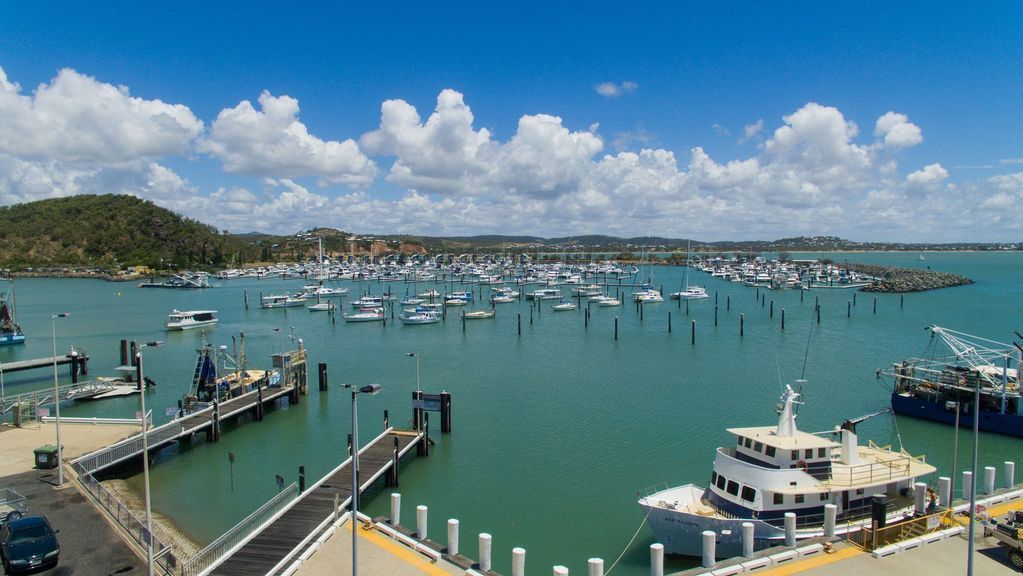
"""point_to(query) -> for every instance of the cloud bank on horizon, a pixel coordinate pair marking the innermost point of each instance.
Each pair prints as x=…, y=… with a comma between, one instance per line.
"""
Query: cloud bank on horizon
x=815, y=172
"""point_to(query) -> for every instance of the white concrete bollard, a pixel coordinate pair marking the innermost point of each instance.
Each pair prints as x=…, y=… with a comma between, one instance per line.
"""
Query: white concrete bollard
x=989, y=479
x=920, y=497
x=560, y=571
x=596, y=566
x=395, y=509
x=1010, y=474
x=486, y=541
x=830, y=519
x=656, y=559
x=709, y=548
x=944, y=491
x=747, y=539
x=453, y=537
x=967, y=483
x=518, y=562
x=790, y=529
x=421, y=522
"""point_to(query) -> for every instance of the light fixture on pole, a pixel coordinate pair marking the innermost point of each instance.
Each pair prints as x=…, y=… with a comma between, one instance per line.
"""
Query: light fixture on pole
x=56, y=397
x=368, y=389
x=416, y=356
x=145, y=455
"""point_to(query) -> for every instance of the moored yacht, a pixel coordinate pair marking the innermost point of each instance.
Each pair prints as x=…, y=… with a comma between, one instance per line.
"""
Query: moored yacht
x=183, y=320
x=772, y=470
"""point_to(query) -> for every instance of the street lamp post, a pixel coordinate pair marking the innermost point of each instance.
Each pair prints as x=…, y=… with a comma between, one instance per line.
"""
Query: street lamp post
x=56, y=397
x=417, y=413
x=416, y=356
x=145, y=456
x=368, y=389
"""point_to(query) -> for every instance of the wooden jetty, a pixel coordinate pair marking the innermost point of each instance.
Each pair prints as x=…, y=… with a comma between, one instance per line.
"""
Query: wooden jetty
x=270, y=549
x=74, y=358
x=206, y=420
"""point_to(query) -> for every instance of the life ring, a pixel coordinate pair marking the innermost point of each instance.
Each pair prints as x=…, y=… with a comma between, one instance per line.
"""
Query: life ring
x=802, y=465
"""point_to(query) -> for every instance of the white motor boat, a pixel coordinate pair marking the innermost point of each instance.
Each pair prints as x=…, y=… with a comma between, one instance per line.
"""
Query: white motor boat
x=772, y=470
x=564, y=305
x=374, y=315
x=281, y=301
x=184, y=320
x=690, y=293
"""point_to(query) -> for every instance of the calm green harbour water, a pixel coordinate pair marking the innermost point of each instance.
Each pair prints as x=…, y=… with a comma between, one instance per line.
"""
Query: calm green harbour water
x=554, y=432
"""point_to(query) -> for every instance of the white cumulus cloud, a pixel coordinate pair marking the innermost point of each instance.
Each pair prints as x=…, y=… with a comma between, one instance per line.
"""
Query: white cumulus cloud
x=273, y=142
x=612, y=90
x=896, y=131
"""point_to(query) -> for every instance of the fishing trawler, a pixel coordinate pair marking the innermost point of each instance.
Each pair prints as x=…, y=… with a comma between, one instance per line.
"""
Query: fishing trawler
x=221, y=376
x=942, y=385
x=772, y=470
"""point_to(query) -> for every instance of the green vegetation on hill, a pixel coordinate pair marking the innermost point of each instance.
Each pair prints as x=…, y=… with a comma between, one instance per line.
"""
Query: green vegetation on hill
x=111, y=232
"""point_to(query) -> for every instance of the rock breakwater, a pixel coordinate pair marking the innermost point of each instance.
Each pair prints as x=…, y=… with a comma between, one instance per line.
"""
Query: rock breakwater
x=897, y=280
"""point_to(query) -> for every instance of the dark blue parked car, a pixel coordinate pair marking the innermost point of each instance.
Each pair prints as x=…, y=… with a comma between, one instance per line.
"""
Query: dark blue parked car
x=28, y=544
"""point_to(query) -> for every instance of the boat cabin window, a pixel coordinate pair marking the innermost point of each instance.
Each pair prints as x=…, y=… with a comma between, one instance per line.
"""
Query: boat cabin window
x=749, y=494
x=822, y=452
x=721, y=482
x=799, y=498
x=795, y=454
x=779, y=498
x=824, y=496
x=713, y=477
x=808, y=453
x=733, y=488
x=859, y=491
x=747, y=442
x=758, y=447
x=769, y=451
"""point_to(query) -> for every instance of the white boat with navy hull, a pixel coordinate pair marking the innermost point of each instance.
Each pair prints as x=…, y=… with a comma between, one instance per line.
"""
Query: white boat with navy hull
x=773, y=470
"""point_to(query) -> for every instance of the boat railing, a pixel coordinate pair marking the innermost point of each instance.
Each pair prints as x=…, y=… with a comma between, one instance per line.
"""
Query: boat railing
x=889, y=469
x=215, y=551
x=166, y=562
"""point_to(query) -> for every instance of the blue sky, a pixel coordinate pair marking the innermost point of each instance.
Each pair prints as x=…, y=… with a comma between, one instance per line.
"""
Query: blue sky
x=753, y=120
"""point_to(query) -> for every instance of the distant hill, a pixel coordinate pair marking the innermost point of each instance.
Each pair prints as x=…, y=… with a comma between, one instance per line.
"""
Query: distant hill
x=111, y=231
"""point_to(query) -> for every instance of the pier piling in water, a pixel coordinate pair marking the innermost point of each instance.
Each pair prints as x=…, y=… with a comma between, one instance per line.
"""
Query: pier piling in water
x=452, y=537
x=709, y=545
x=944, y=491
x=848, y=308
x=818, y=313
x=902, y=300
x=687, y=307
x=875, y=304
x=715, y=314
x=421, y=526
x=616, y=328
x=728, y=302
x=669, y=322
x=518, y=561
x=395, y=508
x=595, y=566
x=1010, y=474
x=641, y=311
x=742, y=322
x=694, y=333
x=392, y=476
x=989, y=479
x=486, y=546
x=854, y=299
x=445, y=412
x=301, y=479
x=246, y=298
x=772, y=308
x=323, y=377
x=782, y=318
x=520, y=323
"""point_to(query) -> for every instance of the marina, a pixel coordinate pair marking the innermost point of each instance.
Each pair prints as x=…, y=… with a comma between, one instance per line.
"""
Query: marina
x=528, y=382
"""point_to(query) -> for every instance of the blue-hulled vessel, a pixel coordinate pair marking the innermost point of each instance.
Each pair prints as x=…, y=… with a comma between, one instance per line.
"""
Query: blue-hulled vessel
x=10, y=331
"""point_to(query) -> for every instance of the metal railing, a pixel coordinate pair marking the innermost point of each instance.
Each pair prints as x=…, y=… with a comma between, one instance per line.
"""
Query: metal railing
x=126, y=448
x=870, y=539
x=135, y=527
x=211, y=555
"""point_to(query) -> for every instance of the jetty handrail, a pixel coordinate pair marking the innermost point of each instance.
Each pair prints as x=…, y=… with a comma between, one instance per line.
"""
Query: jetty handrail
x=211, y=555
x=92, y=420
x=126, y=448
x=134, y=526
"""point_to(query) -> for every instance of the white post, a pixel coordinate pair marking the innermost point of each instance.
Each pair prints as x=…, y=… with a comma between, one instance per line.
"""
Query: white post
x=944, y=491
x=421, y=522
x=560, y=571
x=596, y=567
x=747, y=539
x=967, y=482
x=395, y=508
x=989, y=479
x=656, y=560
x=920, y=498
x=1010, y=474
x=709, y=545
x=830, y=519
x=486, y=540
x=453, y=537
x=790, y=529
x=518, y=561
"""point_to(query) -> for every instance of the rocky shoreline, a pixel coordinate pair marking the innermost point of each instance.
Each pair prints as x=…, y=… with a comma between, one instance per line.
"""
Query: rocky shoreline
x=901, y=280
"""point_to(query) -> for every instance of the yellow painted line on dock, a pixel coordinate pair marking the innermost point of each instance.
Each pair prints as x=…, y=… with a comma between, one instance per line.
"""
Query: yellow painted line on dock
x=400, y=551
x=816, y=561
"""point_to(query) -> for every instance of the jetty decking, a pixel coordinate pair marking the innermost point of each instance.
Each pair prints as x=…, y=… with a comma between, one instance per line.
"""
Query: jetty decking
x=207, y=419
x=271, y=549
x=48, y=362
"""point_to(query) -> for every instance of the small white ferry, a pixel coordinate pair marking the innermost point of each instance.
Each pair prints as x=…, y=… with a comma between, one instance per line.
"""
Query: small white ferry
x=773, y=470
x=178, y=320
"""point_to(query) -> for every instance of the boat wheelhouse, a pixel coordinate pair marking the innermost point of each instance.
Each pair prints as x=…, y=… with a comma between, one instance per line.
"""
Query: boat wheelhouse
x=771, y=470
